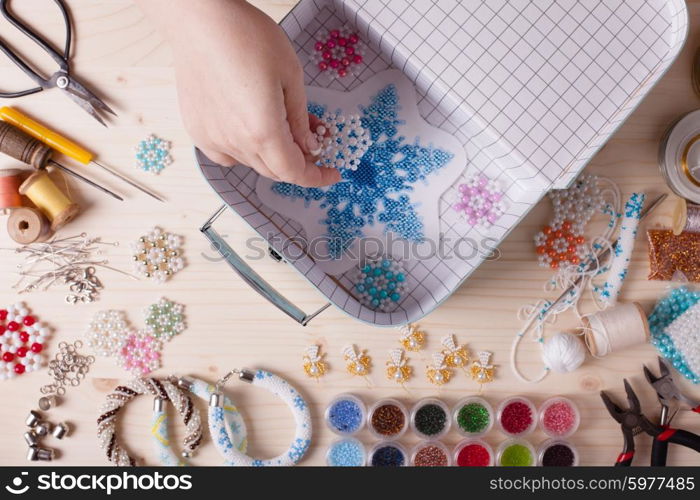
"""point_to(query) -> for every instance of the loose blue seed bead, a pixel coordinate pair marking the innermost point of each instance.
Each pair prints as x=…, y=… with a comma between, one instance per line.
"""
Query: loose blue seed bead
x=400, y=277
x=395, y=297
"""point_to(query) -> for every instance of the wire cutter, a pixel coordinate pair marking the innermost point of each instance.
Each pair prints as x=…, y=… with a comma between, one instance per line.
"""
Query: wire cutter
x=633, y=422
x=62, y=78
x=667, y=391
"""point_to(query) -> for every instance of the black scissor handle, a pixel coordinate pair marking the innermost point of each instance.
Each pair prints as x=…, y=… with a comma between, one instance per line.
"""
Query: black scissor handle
x=60, y=59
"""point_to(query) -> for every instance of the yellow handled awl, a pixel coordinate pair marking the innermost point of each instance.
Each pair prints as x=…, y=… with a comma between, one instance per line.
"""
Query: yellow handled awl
x=62, y=144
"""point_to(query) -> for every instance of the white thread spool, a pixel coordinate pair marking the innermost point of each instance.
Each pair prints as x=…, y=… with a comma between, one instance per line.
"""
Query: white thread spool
x=615, y=329
x=563, y=353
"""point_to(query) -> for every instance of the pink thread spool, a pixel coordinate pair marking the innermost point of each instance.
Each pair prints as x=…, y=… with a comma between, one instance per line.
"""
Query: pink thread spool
x=9, y=189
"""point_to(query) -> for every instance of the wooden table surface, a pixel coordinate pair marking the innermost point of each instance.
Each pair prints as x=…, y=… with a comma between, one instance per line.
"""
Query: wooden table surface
x=229, y=325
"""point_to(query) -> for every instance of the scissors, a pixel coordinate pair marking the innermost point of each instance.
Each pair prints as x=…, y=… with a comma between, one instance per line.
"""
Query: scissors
x=62, y=78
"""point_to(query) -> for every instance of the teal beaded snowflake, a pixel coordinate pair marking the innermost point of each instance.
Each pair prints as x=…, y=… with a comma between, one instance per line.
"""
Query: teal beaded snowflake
x=379, y=283
x=667, y=310
x=165, y=319
x=153, y=154
x=378, y=191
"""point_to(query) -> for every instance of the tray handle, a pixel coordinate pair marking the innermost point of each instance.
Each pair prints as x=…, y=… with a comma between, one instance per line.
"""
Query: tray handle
x=252, y=278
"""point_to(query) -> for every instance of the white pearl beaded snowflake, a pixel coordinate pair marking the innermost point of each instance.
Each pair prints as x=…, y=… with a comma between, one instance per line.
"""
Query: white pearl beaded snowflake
x=380, y=283
x=165, y=319
x=107, y=332
x=578, y=203
x=344, y=141
x=22, y=339
x=158, y=255
x=686, y=337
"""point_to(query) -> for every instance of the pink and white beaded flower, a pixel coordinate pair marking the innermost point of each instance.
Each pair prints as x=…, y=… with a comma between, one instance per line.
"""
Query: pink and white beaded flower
x=22, y=339
x=480, y=201
x=140, y=354
x=338, y=52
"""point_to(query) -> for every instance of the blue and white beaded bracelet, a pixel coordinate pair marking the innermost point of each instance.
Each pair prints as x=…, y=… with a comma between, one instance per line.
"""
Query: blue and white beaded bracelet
x=235, y=424
x=280, y=388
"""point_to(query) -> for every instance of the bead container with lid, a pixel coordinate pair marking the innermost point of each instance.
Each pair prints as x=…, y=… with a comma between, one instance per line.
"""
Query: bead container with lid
x=387, y=419
x=430, y=418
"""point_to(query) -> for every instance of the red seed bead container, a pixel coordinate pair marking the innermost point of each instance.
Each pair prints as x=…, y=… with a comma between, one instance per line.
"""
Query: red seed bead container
x=557, y=453
x=517, y=416
x=473, y=453
x=559, y=417
x=387, y=419
x=430, y=453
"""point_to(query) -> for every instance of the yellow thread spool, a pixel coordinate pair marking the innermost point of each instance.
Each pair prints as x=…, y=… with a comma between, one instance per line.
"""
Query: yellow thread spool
x=48, y=198
x=27, y=225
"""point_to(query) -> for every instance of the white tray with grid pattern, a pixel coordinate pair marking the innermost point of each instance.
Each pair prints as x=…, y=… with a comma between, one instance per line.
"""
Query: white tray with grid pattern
x=531, y=88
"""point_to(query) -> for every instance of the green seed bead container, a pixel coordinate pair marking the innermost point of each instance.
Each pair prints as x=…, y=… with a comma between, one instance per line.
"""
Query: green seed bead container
x=516, y=452
x=473, y=416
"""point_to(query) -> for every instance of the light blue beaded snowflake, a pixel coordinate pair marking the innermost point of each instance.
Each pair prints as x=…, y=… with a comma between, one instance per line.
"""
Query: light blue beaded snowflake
x=379, y=283
x=153, y=154
x=378, y=191
x=666, y=311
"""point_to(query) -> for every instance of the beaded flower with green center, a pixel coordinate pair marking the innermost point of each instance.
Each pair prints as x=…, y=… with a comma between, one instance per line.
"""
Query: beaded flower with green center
x=165, y=319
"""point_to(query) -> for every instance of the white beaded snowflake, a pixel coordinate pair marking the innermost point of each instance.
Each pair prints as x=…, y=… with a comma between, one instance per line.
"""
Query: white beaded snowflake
x=344, y=141
x=107, y=332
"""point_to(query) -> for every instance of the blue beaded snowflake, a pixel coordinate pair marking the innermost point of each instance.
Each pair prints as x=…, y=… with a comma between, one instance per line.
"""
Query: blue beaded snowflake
x=153, y=154
x=378, y=191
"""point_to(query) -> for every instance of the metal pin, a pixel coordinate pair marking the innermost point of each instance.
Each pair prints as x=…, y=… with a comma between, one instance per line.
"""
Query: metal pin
x=61, y=430
x=31, y=439
x=33, y=418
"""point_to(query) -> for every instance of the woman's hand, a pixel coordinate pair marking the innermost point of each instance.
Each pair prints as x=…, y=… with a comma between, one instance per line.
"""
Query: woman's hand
x=241, y=88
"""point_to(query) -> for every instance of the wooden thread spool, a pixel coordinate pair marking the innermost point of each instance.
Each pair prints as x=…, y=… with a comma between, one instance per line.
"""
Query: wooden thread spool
x=9, y=189
x=23, y=147
x=27, y=225
x=48, y=198
x=615, y=329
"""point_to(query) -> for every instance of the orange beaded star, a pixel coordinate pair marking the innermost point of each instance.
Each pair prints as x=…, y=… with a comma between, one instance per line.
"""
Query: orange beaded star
x=557, y=246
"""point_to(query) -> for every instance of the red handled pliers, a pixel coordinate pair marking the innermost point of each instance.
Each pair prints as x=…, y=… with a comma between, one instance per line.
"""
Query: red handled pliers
x=666, y=390
x=633, y=422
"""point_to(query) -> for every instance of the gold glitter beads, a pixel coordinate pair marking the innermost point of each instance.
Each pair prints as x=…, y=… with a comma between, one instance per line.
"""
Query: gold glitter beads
x=358, y=362
x=671, y=255
x=439, y=373
x=456, y=356
x=412, y=339
x=482, y=371
x=397, y=368
x=314, y=365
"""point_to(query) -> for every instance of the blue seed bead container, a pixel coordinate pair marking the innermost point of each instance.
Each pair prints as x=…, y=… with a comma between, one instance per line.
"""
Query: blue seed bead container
x=346, y=415
x=346, y=452
x=387, y=454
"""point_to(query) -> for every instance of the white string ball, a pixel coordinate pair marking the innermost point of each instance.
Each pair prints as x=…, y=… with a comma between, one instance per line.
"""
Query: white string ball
x=563, y=353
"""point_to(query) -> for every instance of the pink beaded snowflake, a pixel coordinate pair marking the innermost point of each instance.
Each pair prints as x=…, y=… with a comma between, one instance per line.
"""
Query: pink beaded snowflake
x=480, y=201
x=140, y=354
x=338, y=52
